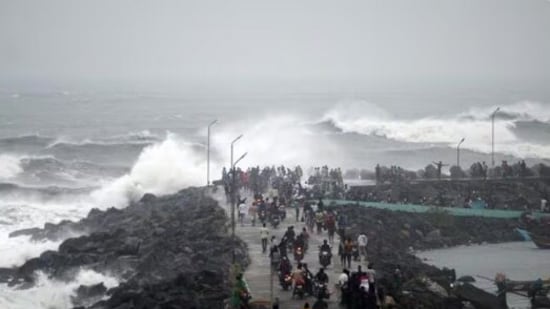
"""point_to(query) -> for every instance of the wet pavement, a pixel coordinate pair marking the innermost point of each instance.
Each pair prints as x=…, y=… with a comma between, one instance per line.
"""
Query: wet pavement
x=258, y=273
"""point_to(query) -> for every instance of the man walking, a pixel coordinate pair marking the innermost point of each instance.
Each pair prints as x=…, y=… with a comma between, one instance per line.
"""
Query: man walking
x=264, y=235
x=362, y=241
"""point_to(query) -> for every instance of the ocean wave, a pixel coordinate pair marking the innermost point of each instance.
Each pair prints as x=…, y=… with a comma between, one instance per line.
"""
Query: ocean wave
x=10, y=187
x=48, y=293
x=473, y=125
x=161, y=168
x=98, y=144
x=26, y=140
x=48, y=169
x=10, y=166
x=52, y=164
x=143, y=137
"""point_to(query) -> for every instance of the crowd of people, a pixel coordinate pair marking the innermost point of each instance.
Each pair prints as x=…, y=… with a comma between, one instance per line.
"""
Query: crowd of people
x=277, y=190
x=357, y=289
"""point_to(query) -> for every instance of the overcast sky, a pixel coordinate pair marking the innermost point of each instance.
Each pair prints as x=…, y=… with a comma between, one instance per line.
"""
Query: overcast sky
x=282, y=40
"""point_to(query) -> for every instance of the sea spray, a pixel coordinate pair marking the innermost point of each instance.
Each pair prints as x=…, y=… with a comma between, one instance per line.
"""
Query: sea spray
x=51, y=294
x=474, y=125
x=9, y=166
x=161, y=168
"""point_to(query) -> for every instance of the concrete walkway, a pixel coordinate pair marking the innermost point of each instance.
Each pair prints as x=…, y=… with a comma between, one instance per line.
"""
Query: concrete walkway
x=258, y=272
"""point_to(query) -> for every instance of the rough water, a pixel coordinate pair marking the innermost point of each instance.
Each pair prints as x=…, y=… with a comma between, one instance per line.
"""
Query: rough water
x=518, y=260
x=62, y=153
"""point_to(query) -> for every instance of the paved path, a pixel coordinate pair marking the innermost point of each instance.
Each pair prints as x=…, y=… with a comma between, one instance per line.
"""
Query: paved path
x=258, y=272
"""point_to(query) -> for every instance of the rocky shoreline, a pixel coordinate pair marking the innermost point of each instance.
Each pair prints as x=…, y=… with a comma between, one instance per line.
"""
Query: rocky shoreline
x=175, y=252
x=168, y=252
x=393, y=237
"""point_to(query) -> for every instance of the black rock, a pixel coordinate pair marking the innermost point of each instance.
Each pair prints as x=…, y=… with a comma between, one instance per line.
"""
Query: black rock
x=173, y=251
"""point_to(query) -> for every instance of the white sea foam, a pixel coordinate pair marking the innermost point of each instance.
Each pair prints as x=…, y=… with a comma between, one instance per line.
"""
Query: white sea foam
x=161, y=168
x=10, y=166
x=474, y=125
x=51, y=294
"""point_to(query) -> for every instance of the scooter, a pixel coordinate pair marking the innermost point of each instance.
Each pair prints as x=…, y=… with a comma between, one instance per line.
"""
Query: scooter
x=324, y=258
x=262, y=216
x=321, y=291
x=285, y=280
x=275, y=221
x=299, y=290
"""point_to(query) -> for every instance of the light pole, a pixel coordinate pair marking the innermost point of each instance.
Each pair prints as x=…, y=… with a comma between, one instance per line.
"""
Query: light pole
x=233, y=197
x=232, y=143
x=232, y=169
x=208, y=154
x=493, y=136
x=458, y=152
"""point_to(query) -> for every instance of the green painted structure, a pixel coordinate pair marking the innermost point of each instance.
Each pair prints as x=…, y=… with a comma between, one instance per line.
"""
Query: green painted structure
x=459, y=212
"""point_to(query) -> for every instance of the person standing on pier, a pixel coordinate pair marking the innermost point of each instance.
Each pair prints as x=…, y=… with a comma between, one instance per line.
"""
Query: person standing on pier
x=264, y=235
x=362, y=242
x=439, y=166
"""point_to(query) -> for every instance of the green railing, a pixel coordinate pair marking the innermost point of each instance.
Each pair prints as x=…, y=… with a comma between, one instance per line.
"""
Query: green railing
x=459, y=212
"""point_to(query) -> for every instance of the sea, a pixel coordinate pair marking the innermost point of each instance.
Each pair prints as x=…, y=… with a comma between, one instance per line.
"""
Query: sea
x=521, y=261
x=63, y=153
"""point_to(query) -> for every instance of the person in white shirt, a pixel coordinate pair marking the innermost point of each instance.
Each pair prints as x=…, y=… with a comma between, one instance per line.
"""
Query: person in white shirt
x=264, y=235
x=243, y=209
x=343, y=281
x=362, y=242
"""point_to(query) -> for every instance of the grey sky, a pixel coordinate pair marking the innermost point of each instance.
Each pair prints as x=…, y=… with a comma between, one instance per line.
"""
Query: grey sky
x=290, y=40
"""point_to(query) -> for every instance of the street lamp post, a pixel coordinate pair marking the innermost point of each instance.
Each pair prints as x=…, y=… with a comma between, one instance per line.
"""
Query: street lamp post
x=232, y=169
x=208, y=153
x=493, y=136
x=233, y=223
x=232, y=143
x=458, y=152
